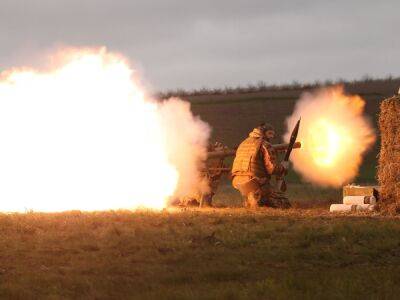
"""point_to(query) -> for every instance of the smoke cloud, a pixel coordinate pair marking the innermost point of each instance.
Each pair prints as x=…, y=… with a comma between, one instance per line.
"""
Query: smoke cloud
x=186, y=137
x=82, y=134
x=334, y=136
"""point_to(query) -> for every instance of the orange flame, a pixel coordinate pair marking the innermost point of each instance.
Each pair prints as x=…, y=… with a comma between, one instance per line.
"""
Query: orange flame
x=334, y=136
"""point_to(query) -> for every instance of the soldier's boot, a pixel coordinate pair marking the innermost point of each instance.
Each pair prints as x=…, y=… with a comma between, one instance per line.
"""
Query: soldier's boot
x=253, y=199
x=206, y=200
x=285, y=203
x=279, y=200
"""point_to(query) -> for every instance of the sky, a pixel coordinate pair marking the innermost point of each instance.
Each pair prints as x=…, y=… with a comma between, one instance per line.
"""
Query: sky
x=194, y=44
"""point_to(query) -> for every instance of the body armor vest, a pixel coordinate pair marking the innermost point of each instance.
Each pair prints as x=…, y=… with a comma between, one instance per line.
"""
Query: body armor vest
x=248, y=160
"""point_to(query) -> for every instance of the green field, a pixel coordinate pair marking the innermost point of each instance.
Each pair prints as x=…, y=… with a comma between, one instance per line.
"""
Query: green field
x=210, y=254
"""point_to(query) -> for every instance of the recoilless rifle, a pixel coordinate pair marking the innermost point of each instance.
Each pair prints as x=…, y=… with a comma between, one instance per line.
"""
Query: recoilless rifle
x=231, y=152
x=280, y=182
x=226, y=152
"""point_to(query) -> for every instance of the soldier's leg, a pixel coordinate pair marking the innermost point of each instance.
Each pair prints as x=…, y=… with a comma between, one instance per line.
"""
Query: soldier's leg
x=192, y=199
x=266, y=197
x=281, y=200
x=206, y=200
x=250, y=190
x=280, y=196
x=272, y=198
x=253, y=199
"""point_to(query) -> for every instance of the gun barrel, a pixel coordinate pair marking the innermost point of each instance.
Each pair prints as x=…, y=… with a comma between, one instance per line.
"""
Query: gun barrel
x=229, y=152
x=222, y=169
x=284, y=146
x=221, y=154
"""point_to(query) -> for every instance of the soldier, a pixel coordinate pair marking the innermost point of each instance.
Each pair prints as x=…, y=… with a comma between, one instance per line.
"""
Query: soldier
x=212, y=174
x=253, y=166
x=210, y=177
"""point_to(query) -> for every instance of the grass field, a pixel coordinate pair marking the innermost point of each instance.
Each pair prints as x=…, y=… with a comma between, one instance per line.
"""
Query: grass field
x=226, y=253
x=221, y=253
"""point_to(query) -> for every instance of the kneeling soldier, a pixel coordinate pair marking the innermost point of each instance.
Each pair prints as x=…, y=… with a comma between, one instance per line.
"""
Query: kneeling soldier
x=253, y=166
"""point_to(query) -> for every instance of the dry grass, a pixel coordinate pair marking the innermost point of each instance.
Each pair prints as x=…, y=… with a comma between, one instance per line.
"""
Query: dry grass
x=300, y=195
x=389, y=157
x=192, y=254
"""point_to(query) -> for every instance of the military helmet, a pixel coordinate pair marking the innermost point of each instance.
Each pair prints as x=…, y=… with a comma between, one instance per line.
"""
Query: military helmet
x=264, y=127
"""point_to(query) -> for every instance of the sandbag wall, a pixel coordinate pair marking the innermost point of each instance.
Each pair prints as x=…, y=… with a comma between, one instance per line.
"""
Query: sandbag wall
x=389, y=157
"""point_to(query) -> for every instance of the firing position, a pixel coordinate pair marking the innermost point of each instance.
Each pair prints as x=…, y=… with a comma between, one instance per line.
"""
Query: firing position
x=210, y=177
x=253, y=167
x=212, y=173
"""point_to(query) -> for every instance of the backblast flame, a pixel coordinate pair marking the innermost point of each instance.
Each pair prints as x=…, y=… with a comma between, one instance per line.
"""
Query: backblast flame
x=334, y=136
x=84, y=136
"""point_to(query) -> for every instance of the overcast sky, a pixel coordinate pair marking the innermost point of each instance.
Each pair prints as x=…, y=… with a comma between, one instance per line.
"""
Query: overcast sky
x=191, y=44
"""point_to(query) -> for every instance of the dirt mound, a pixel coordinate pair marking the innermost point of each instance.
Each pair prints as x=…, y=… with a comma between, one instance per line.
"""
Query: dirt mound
x=389, y=157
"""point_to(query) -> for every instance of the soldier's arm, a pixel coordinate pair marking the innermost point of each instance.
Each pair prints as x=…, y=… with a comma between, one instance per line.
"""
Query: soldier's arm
x=272, y=167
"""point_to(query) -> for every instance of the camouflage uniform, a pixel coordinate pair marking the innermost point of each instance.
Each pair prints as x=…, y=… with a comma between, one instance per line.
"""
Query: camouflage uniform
x=253, y=166
x=210, y=175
